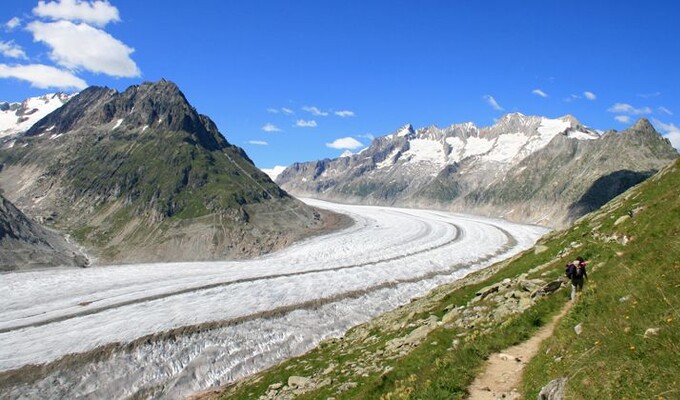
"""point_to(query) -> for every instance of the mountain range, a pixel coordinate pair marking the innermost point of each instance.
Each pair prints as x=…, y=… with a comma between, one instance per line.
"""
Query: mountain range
x=141, y=176
x=524, y=168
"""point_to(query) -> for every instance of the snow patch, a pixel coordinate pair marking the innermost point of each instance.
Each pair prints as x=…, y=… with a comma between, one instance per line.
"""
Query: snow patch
x=425, y=150
x=476, y=146
x=274, y=173
x=118, y=123
x=581, y=135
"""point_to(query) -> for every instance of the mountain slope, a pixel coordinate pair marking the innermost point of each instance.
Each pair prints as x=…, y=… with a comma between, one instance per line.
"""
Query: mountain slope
x=25, y=244
x=141, y=176
x=433, y=347
x=531, y=169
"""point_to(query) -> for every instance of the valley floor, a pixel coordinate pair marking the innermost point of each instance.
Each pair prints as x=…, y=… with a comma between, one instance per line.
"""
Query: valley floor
x=167, y=330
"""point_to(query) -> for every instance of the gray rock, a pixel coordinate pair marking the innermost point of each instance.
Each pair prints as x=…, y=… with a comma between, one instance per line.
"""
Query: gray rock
x=298, y=381
x=554, y=390
x=578, y=329
x=482, y=293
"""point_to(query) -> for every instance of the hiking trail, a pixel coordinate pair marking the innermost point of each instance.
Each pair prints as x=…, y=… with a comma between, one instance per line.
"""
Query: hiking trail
x=502, y=374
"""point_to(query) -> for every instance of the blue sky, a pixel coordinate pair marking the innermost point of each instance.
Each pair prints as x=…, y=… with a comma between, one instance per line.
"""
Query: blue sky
x=303, y=80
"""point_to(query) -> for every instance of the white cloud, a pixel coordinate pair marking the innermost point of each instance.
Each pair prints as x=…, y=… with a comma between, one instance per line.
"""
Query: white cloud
x=345, y=143
x=43, y=76
x=287, y=111
x=315, y=111
x=82, y=46
x=268, y=127
x=669, y=131
x=368, y=136
x=305, y=124
x=344, y=113
x=589, y=95
x=258, y=142
x=97, y=13
x=539, y=92
x=623, y=108
x=624, y=119
x=273, y=110
x=665, y=110
x=493, y=103
x=12, y=50
x=12, y=23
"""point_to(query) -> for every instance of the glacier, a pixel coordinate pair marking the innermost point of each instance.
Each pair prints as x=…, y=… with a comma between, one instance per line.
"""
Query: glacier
x=168, y=330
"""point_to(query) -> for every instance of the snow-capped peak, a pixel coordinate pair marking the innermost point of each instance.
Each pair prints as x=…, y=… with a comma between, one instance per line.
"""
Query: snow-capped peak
x=19, y=117
x=405, y=130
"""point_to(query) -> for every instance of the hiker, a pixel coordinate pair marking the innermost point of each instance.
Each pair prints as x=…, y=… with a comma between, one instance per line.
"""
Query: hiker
x=576, y=271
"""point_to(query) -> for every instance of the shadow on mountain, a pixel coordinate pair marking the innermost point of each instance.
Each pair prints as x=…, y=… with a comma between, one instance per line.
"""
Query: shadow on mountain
x=605, y=189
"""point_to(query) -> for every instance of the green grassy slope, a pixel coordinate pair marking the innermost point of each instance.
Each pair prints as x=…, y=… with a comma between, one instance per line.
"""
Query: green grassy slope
x=634, y=285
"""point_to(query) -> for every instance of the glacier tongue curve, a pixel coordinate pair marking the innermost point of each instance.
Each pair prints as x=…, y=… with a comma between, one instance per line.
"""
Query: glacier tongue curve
x=167, y=330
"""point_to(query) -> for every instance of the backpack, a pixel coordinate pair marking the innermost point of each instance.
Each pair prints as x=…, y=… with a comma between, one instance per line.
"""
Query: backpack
x=579, y=271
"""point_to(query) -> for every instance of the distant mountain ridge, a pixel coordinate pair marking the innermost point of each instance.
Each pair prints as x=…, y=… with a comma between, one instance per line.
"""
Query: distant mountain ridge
x=140, y=175
x=526, y=168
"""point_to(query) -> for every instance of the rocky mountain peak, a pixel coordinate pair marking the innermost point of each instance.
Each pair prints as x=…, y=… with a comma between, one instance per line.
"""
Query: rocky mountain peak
x=151, y=105
x=643, y=125
x=571, y=120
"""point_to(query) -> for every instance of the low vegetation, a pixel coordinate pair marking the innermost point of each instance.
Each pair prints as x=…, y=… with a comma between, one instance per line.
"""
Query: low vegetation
x=433, y=347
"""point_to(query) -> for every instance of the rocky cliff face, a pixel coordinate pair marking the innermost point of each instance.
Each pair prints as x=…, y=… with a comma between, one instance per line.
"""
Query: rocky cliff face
x=141, y=176
x=530, y=169
x=24, y=244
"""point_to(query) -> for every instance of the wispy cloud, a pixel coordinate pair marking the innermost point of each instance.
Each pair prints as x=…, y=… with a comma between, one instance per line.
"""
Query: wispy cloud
x=269, y=127
x=315, y=111
x=571, y=98
x=43, y=76
x=12, y=50
x=282, y=110
x=670, y=131
x=258, y=142
x=666, y=111
x=345, y=143
x=12, y=23
x=624, y=108
x=589, y=95
x=344, y=113
x=649, y=95
x=539, y=92
x=493, y=103
x=624, y=119
x=367, y=136
x=98, y=13
x=305, y=124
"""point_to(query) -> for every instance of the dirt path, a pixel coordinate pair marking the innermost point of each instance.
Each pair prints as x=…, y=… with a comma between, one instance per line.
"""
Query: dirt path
x=502, y=374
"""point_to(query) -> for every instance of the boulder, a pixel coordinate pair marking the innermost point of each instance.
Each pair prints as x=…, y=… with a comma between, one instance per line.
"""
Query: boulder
x=554, y=390
x=298, y=381
x=482, y=293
